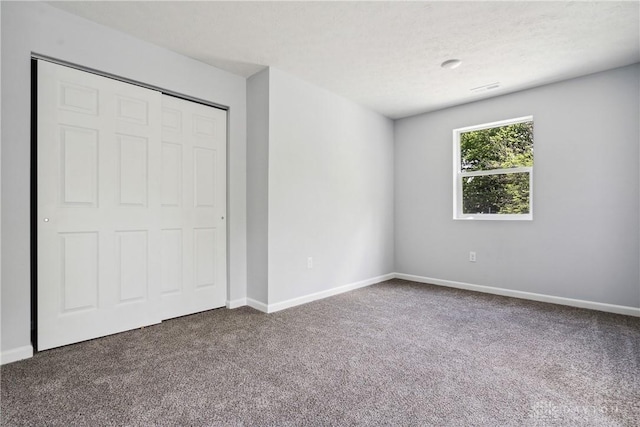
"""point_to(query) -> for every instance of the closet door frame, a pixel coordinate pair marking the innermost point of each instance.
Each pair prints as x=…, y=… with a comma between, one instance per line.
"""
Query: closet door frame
x=35, y=58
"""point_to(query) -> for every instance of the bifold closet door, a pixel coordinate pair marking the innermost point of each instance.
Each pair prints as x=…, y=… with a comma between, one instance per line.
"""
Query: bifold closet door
x=126, y=218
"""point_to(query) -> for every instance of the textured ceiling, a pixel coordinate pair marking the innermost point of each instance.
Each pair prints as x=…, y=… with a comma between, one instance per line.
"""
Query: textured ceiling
x=387, y=55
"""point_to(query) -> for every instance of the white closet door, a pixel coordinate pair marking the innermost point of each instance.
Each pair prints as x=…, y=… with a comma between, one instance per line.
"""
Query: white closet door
x=193, y=199
x=99, y=239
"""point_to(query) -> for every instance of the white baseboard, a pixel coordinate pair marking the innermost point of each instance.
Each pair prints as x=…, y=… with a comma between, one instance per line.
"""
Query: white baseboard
x=260, y=306
x=16, y=354
x=236, y=303
x=599, y=306
x=271, y=308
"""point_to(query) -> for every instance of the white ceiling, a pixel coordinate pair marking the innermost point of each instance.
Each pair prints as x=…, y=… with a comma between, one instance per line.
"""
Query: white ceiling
x=386, y=55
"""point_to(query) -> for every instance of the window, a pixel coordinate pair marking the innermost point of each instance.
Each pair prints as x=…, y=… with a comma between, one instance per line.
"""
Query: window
x=493, y=170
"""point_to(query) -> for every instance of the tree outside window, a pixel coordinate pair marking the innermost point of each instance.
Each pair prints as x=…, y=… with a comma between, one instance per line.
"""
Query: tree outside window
x=494, y=170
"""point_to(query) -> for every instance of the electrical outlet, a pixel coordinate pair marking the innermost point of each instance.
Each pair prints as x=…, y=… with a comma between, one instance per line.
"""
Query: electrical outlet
x=310, y=262
x=472, y=256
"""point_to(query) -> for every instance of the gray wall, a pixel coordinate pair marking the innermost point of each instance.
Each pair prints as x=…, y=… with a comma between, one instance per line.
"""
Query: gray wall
x=330, y=190
x=36, y=27
x=257, y=185
x=583, y=242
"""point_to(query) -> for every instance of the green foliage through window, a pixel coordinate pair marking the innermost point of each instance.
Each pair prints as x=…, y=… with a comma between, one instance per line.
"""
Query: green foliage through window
x=496, y=194
x=496, y=150
x=502, y=147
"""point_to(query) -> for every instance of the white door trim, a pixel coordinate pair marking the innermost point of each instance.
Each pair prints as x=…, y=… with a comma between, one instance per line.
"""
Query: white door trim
x=164, y=91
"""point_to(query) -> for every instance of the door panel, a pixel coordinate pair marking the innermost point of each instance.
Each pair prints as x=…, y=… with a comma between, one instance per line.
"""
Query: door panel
x=193, y=197
x=79, y=167
x=79, y=268
x=98, y=209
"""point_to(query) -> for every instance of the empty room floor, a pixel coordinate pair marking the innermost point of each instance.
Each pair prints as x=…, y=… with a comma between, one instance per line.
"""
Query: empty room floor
x=395, y=353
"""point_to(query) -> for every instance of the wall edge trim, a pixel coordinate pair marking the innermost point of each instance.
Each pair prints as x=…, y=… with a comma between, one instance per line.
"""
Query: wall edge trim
x=327, y=293
x=260, y=306
x=591, y=305
x=240, y=302
x=15, y=354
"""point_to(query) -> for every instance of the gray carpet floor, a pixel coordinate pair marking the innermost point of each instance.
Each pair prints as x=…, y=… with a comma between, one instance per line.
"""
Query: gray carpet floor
x=396, y=353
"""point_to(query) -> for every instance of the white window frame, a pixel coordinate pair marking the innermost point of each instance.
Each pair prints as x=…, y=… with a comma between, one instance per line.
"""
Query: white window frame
x=458, y=175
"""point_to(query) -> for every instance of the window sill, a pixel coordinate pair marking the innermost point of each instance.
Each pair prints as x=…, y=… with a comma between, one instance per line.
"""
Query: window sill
x=494, y=217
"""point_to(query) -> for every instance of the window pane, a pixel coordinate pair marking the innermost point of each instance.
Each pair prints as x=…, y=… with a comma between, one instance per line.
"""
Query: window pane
x=496, y=194
x=501, y=147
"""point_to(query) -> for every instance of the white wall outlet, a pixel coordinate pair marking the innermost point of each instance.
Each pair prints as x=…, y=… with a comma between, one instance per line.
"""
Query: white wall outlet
x=309, y=262
x=472, y=256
